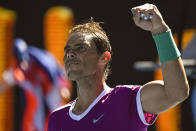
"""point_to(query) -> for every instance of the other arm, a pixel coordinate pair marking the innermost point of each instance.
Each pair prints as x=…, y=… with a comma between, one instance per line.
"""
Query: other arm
x=159, y=96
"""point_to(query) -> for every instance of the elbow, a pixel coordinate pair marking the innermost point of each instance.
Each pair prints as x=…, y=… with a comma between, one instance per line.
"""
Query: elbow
x=180, y=95
x=183, y=94
x=186, y=92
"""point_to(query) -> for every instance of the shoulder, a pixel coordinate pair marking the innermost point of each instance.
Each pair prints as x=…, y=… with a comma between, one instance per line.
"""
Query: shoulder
x=130, y=94
x=127, y=88
x=64, y=107
x=125, y=93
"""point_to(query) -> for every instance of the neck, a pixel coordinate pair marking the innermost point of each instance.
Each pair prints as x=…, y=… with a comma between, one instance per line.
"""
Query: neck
x=88, y=88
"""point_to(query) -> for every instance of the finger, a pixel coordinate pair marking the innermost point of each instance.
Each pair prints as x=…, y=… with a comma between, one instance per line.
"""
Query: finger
x=148, y=12
x=155, y=7
x=135, y=10
x=156, y=11
x=145, y=6
x=144, y=15
x=153, y=12
x=136, y=17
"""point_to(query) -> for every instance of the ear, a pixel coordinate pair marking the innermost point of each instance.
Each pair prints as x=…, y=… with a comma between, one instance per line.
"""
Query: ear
x=105, y=57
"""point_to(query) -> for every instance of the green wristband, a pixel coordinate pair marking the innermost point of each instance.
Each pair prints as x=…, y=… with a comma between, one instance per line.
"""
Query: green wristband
x=166, y=46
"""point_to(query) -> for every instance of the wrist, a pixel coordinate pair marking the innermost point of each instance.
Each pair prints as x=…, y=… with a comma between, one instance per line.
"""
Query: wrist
x=160, y=29
x=166, y=46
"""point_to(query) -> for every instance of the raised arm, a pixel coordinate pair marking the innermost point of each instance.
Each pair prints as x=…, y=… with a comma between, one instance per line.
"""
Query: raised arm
x=159, y=96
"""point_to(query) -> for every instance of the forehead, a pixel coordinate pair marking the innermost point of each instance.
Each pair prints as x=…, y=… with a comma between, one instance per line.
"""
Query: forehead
x=79, y=38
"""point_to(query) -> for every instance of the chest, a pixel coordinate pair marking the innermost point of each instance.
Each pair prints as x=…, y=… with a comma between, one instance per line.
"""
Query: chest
x=104, y=116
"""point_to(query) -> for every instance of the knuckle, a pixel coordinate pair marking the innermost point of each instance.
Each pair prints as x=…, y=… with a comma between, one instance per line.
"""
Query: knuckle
x=154, y=7
x=151, y=10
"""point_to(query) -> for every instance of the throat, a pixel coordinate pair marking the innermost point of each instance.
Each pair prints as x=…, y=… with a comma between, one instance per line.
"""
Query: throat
x=79, y=110
x=83, y=103
x=81, y=107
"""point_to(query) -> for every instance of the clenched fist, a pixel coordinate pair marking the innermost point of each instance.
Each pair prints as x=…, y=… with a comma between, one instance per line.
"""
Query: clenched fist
x=149, y=18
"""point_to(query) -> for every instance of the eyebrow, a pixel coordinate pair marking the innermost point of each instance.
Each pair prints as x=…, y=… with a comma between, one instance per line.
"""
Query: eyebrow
x=66, y=47
x=79, y=44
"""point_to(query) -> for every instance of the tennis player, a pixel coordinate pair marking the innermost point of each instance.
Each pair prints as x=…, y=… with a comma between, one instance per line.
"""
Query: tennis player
x=124, y=107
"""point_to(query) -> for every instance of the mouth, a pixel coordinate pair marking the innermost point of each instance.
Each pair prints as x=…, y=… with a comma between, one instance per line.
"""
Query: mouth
x=71, y=66
x=72, y=63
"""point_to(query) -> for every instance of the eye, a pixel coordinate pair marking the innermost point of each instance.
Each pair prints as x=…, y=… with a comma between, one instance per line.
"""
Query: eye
x=67, y=50
x=64, y=57
x=81, y=48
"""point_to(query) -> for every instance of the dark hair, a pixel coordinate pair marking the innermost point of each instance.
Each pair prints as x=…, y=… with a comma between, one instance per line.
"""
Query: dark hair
x=99, y=38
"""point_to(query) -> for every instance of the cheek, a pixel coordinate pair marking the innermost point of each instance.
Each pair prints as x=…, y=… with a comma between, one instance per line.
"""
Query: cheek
x=64, y=60
x=90, y=62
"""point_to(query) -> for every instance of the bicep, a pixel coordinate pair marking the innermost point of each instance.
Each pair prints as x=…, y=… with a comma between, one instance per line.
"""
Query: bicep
x=154, y=98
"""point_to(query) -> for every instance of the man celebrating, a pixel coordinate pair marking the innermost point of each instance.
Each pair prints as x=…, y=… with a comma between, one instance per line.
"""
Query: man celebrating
x=126, y=107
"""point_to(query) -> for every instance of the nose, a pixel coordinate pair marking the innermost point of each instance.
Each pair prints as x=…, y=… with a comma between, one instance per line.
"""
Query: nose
x=71, y=55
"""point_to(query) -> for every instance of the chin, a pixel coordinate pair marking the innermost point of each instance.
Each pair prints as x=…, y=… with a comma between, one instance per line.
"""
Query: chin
x=73, y=76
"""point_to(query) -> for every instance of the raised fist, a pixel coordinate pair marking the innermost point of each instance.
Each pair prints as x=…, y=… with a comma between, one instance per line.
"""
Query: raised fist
x=149, y=18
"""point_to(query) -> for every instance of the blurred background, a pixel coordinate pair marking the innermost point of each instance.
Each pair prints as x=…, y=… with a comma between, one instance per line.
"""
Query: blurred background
x=44, y=24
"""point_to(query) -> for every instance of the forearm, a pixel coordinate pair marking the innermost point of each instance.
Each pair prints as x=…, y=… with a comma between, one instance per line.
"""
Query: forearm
x=175, y=81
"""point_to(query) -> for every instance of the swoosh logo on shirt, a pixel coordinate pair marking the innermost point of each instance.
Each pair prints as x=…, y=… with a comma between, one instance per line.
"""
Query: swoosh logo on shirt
x=96, y=120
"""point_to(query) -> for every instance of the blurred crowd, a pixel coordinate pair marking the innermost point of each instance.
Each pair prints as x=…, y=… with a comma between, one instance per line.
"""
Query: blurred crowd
x=39, y=74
